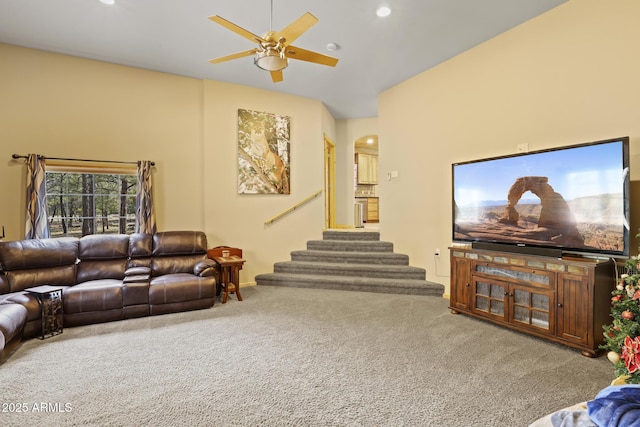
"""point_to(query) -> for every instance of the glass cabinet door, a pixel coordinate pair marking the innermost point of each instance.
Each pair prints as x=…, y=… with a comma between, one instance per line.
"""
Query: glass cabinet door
x=524, y=306
x=532, y=308
x=489, y=298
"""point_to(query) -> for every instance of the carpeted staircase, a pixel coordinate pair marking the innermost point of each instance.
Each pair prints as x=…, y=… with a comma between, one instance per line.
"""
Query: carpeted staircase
x=353, y=261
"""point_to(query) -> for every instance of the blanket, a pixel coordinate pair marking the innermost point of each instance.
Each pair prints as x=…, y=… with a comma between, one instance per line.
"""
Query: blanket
x=616, y=406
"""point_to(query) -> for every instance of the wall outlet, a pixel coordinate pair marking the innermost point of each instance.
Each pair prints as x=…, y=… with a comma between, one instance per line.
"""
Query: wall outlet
x=437, y=252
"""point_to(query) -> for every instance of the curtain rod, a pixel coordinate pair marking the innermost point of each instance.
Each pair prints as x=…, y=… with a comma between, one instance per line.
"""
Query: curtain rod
x=18, y=156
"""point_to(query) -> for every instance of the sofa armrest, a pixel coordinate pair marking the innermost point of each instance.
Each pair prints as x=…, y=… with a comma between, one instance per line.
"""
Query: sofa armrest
x=137, y=271
x=137, y=275
x=205, y=268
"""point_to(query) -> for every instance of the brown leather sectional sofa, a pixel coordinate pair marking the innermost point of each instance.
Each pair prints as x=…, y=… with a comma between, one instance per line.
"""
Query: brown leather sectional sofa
x=103, y=278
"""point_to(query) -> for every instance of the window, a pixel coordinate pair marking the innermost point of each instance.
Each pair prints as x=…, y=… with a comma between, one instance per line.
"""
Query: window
x=82, y=202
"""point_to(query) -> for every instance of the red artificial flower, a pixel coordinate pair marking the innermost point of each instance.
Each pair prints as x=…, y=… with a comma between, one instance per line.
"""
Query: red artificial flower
x=616, y=298
x=636, y=296
x=631, y=353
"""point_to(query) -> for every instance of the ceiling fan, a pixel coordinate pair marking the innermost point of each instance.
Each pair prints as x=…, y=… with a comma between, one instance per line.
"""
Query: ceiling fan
x=274, y=49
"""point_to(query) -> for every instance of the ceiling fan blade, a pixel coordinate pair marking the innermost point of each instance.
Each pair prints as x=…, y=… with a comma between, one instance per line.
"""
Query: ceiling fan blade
x=236, y=29
x=234, y=56
x=293, y=52
x=296, y=28
x=276, y=76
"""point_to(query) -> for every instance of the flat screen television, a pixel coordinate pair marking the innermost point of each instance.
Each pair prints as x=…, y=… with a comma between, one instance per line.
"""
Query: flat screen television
x=572, y=199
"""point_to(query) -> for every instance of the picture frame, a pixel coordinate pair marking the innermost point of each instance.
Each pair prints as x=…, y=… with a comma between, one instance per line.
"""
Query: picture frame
x=263, y=153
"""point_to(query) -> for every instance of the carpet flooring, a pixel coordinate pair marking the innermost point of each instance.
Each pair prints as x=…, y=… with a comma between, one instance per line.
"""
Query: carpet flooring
x=296, y=357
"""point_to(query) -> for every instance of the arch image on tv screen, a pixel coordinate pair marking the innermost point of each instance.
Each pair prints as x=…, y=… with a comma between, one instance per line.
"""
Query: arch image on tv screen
x=573, y=198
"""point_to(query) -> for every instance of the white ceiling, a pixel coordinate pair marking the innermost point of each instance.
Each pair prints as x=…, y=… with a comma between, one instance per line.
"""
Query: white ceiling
x=175, y=36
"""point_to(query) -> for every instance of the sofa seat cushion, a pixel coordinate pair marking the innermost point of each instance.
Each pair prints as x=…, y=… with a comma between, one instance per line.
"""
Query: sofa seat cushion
x=30, y=302
x=179, y=287
x=13, y=317
x=95, y=295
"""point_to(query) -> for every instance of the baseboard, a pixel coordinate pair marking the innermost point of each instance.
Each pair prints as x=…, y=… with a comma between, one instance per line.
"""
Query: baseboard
x=247, y=284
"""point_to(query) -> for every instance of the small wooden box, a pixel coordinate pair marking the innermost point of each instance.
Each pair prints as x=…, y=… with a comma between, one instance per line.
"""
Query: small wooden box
x=217, y=251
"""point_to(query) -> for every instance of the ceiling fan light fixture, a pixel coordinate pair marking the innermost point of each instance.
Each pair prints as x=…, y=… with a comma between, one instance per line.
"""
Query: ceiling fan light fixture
x=271, y=60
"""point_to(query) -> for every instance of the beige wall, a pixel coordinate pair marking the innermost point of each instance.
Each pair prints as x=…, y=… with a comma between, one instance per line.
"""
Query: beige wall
x=238, y=220
x=566, y=77
x=61, y=106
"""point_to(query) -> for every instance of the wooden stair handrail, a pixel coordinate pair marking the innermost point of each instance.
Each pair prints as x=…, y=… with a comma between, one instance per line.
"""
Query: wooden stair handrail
x=294, y=207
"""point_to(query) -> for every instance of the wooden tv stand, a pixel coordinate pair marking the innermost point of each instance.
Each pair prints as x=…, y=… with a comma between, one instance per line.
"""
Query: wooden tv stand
x=564, y=300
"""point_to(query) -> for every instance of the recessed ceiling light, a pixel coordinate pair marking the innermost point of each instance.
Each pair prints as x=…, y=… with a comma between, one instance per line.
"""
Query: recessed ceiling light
x=332, y=46
x=108, y=1
x=383, y=11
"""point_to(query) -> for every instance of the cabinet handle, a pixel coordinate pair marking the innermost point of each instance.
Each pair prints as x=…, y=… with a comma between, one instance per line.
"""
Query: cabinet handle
x=468, y=284
x=559, y=305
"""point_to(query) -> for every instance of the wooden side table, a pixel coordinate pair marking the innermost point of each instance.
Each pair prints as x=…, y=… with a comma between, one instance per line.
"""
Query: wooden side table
x=229, y=275
x=51, y=309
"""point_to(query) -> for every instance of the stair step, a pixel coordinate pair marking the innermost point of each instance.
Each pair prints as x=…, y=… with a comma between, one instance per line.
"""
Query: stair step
x=354, y=260
x=363, y=284
x=350, y=245
x=353, y=234
x=386, y=258
x=357, y=270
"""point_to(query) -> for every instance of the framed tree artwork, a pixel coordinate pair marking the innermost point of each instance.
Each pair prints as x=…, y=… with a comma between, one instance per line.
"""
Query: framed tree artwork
x=263, y=153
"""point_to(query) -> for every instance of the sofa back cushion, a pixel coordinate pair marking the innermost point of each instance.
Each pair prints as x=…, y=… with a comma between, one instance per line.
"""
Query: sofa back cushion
x=177, y=251
x=140, y=246
x=35, y=262
x=102, y=256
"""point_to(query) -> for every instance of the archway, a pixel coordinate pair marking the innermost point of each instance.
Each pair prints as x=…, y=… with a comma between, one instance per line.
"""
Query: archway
x=366, y=154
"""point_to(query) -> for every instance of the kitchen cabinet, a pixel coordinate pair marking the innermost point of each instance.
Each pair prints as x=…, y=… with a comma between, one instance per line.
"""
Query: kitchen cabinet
x=367, y=168
x=370, y=208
